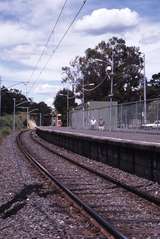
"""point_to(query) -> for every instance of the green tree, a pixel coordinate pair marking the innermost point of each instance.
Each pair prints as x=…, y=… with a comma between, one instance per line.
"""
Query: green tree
x=153, y=87
x=128, y=65
x=7, y=99
x=60, y=103
x=7, y=105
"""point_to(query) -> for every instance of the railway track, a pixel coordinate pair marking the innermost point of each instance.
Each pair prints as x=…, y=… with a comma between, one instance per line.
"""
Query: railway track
x=117, y=208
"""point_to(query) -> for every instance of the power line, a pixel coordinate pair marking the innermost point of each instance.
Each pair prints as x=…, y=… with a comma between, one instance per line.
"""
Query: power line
x=48, y=39
x=94, y=88
x=60, y=41
x=74, y=19
x=10, y=86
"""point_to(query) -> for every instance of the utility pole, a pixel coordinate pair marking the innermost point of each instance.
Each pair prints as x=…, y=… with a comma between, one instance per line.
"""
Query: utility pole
x=52, y=120
x=27, y=117
x=14, y=114
x=67, y=108
x=0, y=95
x=40, y=119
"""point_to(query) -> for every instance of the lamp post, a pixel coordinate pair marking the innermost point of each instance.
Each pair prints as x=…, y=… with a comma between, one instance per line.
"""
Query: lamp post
x=110, y=67
x=68, y=98
x=83, y=91
x=67, y=104
x=40, y=119
x=144, y=91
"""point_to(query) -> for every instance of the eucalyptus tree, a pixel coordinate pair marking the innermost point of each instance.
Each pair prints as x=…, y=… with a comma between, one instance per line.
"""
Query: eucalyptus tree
x=127, y=63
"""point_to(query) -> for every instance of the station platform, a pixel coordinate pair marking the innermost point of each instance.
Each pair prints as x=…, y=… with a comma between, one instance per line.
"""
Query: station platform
x=144, y=137
x=135, y=153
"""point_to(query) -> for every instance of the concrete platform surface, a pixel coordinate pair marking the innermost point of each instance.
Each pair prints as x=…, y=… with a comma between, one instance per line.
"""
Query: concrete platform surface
x=125, y=136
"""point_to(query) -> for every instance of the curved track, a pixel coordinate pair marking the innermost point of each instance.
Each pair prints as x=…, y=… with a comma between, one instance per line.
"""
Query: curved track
x=116, y=207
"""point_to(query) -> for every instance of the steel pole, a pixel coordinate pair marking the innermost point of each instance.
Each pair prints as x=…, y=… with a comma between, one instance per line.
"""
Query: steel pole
x=67, y=108
x=14, y=114
x=52, y=120
x=26, y=88
x=111, y=93
x=27, y=116
x=83, y=106
x=145, y=95
x=40, y=119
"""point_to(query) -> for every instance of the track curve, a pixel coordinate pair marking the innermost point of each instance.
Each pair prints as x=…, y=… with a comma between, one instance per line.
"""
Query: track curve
x=111, y=191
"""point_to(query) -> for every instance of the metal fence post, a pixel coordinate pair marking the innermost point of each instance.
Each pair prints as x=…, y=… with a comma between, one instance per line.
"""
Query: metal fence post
x=136, y=115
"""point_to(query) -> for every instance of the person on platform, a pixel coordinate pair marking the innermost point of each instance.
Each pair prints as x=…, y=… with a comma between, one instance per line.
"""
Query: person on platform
x=101, y=124
x=93, y=123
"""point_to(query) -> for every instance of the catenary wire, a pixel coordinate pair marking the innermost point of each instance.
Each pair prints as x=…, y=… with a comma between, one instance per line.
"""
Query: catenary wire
x=59, y=44
x=48, y=40
x=94, y=88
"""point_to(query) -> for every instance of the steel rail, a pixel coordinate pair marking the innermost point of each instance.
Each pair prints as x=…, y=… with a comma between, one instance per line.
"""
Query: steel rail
x=103, y=223
x=131, y=189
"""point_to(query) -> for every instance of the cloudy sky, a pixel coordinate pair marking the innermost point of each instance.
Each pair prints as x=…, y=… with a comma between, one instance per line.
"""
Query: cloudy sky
x=26, y=24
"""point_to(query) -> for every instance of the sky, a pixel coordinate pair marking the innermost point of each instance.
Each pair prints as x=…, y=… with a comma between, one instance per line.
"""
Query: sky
x=26, y=25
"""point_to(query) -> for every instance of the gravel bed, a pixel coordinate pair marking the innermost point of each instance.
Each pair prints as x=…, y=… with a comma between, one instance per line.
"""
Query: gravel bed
x=30, y=207
x=138, y=216
x=143, y=185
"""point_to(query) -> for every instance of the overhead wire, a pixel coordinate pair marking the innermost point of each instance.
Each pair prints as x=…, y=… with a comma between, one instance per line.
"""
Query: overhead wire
x=60, y=42
x=48, y=40
x=94, y=88
x=10, y=86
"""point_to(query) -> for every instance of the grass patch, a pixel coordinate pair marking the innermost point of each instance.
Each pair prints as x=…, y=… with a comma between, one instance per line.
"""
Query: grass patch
x=6, y=124
x=4, y=132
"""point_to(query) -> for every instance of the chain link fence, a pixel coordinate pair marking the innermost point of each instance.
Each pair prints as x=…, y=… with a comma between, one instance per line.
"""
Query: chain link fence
x=135, y=115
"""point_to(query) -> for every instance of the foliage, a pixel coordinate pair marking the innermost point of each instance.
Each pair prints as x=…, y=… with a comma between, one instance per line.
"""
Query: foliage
x=60, y=103
x=5, y=126
x=7, y=105
x=153, y=88
x=155, y=81
x=7, y=99
x=127, y=71
x=7, y=121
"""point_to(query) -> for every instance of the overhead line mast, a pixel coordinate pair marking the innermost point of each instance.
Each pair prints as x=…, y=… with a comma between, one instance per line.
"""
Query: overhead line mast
x=60, y=41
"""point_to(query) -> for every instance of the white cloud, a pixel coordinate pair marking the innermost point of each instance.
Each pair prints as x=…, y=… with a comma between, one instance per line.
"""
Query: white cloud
x=32, y=11
x=14, y=33
x=146, y=36
x=108, y=20
x=47, y=92
x=150, y=33
x=22, y=40
x=49, y=101
x=46, y=89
